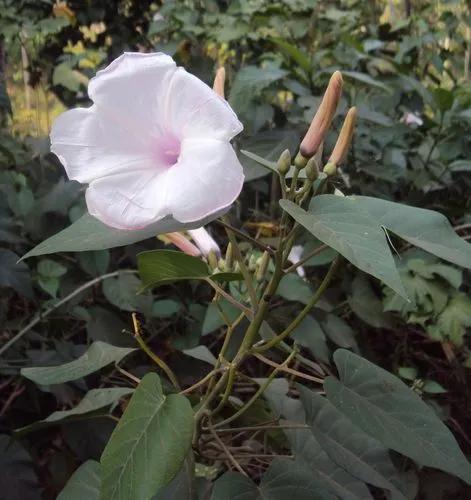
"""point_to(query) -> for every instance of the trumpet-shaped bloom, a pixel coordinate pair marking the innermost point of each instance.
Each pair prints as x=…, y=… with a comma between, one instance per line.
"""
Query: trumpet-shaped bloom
x=154, y=144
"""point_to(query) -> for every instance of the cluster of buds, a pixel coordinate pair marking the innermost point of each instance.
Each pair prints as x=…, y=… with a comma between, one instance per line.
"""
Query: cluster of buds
x=309, y=156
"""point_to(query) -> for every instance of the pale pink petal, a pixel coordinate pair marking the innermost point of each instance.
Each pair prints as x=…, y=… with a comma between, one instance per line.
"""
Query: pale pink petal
x=195, y=110
x=90, y=145
x=130, y=200
x=207, y=178
x=204, y=241
x=184, y=244
x=133, y=90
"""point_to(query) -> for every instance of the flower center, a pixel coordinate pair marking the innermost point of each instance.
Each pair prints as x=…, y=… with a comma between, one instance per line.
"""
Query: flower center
x=167, y=149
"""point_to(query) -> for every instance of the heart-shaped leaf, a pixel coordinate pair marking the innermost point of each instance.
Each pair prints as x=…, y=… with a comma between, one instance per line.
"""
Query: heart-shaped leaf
x=350, y=230
x=149, y=444
x=389, y=411
x=347, y=445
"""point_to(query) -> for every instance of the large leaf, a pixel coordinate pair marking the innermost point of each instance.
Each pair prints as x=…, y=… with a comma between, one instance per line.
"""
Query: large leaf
x=98, y=355
x=158, y=267
x=284, y=479
x=149, y=444
x=88, y=233
x=347, y=445
x=352, y=226
x=334, y=478
x=94, y=400
x=423, y=228
x=386, y=409
x=83, y=484
x=349, y=229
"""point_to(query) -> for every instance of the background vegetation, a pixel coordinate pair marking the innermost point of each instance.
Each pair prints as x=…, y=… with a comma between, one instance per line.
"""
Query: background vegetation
x=406, y=65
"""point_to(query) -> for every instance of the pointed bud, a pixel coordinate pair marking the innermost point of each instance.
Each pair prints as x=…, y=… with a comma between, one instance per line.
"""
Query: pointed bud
x=300, y=161
x=219, y=80
x=312, y=170
x=345, y=137
x=229, y=257
x=323, y=118
x=262, y=266
x=212, y=260
x=252, y=265
x=330, y=169
x=284, y=162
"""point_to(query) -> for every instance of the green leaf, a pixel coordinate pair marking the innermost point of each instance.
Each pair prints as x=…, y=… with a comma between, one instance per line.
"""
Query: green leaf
x=123, y=292
x=310, y=334
x=453, y=320
x=367, y=79
x=98, y=355
x=347, y=445
x=366, y=304
x=14, y=274
x=95, y=399
x=88, y=233
x=349, y=229
x=159, y=267
x=343, y=221
x=284, y=478
x=334, y=478
x=299, y=57
x=386, y=409
x=293, y=287
x=83, y=484
x=149, y=444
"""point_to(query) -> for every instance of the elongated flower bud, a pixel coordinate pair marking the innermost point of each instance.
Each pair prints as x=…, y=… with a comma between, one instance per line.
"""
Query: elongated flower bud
x=284, y=162
x=229, y=258
x=182, y=242
x=345, y=138
x=323, y=118
x=262, y=266
x=219, y=80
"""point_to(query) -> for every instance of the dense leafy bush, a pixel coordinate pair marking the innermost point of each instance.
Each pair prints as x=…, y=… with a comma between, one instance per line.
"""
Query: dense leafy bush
x=70, y=338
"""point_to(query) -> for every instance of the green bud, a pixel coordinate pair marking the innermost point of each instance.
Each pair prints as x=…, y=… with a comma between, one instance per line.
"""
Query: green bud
x=262, y=266
x=300, y=161
x=312, y=172
x=212, y=260
x=229, y=257
x=252, y=263
x=284, y=162
x=330, y=169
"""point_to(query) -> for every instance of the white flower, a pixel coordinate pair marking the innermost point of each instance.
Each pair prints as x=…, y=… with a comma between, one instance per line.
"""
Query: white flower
x=204, y=241
x=295, y=256
x=154, y=144
x=412, y=119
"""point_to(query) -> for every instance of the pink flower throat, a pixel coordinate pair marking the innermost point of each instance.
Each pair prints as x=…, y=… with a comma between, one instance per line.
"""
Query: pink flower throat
x=167, y=149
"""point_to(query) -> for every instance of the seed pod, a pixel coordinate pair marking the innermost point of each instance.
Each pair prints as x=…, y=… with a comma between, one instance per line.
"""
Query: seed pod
x=284, y=162
x=212, y=260
x=323, y=118
x=345, y=138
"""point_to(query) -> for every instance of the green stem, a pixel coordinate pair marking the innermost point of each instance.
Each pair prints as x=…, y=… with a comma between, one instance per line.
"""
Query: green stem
x=257, y=394
x=160, y=362
x=243, y=268
x=298, y=320
x=227, y=391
